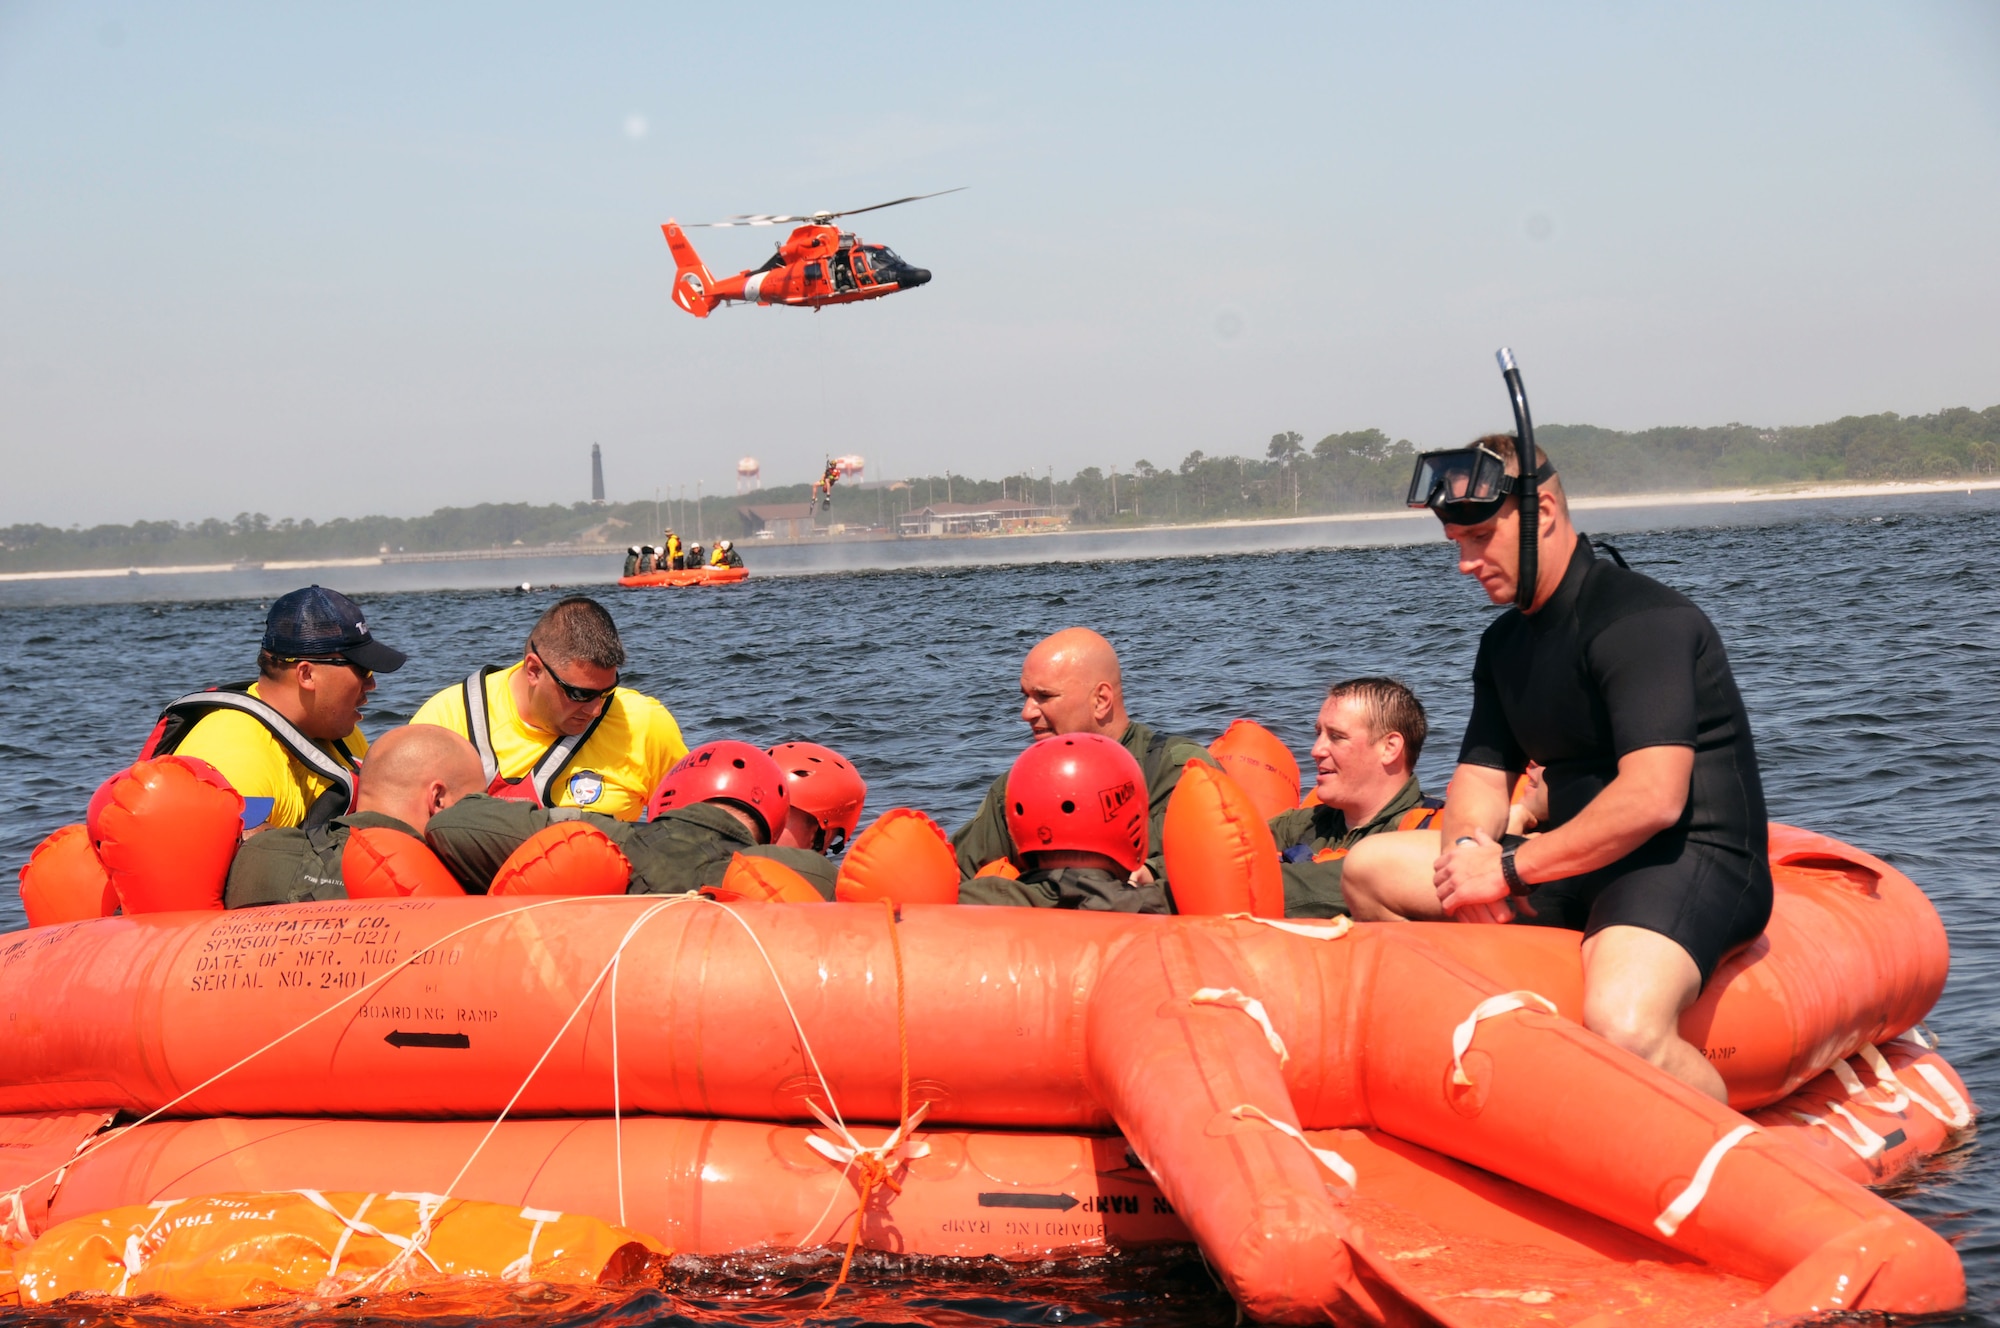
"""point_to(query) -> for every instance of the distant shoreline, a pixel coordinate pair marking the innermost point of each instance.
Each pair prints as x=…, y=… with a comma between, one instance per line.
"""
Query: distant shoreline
x=1607, y=503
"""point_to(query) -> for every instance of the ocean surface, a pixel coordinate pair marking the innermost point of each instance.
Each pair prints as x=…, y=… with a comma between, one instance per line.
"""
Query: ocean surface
x=1863, y=636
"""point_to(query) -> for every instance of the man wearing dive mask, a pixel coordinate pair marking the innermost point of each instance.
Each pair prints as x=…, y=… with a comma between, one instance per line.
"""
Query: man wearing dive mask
x=1655, y=843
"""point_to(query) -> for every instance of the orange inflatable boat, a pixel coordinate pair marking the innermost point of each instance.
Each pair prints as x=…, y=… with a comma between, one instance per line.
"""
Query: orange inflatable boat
x=693, y=576
x=1382, y=1124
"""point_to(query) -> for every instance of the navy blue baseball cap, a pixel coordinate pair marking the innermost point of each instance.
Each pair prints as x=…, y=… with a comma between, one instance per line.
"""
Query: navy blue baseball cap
x=317, y=623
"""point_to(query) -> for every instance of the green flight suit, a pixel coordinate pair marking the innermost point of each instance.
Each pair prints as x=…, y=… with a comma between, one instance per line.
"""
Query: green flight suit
x=291, y=864
x=1312, y=889
x=1066, y=887
x=1161, y=756
x=683, y=850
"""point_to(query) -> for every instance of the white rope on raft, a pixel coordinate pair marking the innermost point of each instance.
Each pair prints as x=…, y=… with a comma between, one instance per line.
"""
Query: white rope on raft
x=1326, y=1157
x=1690, y=1198
x=1232, y=999
x=1865, y=1143
x=1330, y=930
x=1461, y=1037
x=1957, y=1118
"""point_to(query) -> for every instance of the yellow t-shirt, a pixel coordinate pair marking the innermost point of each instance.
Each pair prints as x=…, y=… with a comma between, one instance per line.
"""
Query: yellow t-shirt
x=257, y=764
x=635, y=744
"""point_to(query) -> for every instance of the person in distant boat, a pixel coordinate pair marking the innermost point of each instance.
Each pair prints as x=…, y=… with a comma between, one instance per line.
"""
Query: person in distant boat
x=556, y=729
x=290, y=741
x=413, y=773
x=725, y=798
x=1077, y=805
x=672, y=556
x=1655, y=841
x=1369, y=734
x=725, y=555
x=1071, y=683
x=695, y=559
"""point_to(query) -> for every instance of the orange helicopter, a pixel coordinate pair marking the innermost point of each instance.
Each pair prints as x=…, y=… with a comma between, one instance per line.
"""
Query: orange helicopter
x=818, y=265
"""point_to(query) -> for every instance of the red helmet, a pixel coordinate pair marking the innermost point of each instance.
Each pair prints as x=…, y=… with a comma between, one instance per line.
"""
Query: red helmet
x=727, y=771
x=1078, y=791
x=825, y=787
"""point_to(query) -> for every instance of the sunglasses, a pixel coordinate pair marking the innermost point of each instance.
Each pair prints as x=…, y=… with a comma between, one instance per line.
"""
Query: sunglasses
x=360, y=671
x=580, y=695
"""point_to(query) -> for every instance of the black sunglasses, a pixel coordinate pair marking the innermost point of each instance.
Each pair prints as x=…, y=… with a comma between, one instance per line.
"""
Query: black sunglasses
x=361, y=671
x=580, y=695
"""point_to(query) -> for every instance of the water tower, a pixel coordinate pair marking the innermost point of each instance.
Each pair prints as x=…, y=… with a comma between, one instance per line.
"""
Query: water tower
x=748, y=475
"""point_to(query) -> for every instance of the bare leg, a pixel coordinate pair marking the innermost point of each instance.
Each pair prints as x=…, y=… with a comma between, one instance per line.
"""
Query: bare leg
x=1635, y=985
x=1388, y=877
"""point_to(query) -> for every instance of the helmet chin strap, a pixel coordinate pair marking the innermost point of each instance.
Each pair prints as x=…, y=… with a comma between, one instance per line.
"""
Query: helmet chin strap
x=1529, y=487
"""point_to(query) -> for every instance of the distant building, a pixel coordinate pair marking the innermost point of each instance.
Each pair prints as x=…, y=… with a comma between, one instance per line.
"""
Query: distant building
x=785, y=521
x=596, y=473
x=989, y=518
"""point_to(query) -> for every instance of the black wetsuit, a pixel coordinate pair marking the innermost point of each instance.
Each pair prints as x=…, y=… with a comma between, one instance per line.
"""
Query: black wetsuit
x=1612, y=663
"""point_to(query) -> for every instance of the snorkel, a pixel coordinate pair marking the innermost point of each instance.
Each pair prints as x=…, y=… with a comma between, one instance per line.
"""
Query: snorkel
x=1531, y=511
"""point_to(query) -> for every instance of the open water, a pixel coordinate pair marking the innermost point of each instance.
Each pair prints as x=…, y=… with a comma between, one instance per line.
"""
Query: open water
x=1865, y=644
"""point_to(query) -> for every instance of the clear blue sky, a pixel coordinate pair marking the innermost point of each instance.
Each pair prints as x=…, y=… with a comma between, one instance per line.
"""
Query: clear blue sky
x=319, y=260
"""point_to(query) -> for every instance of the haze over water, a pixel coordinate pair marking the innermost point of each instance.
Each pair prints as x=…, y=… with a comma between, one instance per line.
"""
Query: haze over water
x=1864, y=646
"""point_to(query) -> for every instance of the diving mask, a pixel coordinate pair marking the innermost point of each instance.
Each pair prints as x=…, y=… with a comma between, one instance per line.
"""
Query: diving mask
x=1466, y=485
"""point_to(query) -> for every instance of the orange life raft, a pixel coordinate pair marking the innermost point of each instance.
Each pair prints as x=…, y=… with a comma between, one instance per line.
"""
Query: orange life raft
x=692, y=576
x=1349, y=1121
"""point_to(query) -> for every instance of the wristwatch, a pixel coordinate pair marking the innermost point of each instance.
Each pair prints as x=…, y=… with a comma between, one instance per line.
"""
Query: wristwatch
x=1515, y=885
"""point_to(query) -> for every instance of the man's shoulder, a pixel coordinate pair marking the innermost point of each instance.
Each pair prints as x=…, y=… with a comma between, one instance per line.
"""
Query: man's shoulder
x=445, y=709
x=1612, y=594
x=375, y=821
x=1172, y=751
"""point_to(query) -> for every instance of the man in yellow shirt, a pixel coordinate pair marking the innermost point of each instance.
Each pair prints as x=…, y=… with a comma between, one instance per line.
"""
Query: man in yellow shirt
x=556, y=729
x=291, y=741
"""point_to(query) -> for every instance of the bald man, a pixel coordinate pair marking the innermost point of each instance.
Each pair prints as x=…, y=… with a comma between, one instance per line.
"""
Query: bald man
x=411, y=774
x=1071, y=683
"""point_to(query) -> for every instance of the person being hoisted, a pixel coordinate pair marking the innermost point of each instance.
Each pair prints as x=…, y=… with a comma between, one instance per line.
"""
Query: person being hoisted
x=556, y=729
x=822, y=491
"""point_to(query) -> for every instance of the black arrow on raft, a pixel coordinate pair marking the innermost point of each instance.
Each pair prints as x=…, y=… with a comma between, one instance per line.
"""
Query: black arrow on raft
x=1008, y=1199
x=448, y=1041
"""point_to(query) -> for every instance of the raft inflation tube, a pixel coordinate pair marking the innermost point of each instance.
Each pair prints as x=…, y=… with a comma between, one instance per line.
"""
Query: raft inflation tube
x=1355, y=1123
x=1530, y=486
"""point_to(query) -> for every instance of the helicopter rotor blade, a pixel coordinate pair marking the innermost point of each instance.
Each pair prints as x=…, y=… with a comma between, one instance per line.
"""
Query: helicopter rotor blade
x=768, y=219
x=747, y=219
x=897, y=202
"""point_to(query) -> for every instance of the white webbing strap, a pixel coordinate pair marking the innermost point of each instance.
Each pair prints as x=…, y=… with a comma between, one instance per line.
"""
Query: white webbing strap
x=1461, y=1037
x=894, y=1151
x=1864, y=1141
x=14, y=1225
x=346, y=1234
x=518, y=1271
x=1920, y=1035
x=1957, y=1118
x=1330, y=930
x=1231, y=998
x=356, y=1227
x=135, y=1252
x=1326, y=1157
x=1690, y=1198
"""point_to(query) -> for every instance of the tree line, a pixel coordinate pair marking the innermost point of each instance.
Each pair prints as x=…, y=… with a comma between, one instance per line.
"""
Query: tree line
x=1341, y=472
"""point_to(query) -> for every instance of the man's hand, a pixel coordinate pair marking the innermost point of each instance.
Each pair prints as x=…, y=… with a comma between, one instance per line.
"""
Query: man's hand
x=1470, y=885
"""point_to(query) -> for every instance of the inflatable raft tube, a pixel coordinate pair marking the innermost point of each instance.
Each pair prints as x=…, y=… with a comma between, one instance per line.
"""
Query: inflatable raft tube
x=693, y=576
x=713, y=1188
x=348, y=1008
x=1207, y=1042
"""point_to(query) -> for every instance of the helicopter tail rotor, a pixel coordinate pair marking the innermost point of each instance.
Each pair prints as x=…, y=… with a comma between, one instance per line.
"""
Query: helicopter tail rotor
x=694, y=287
